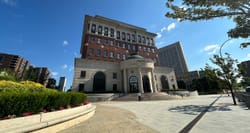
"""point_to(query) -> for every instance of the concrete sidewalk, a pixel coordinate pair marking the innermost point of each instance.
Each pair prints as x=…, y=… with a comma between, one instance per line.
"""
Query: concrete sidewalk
x=171, y=116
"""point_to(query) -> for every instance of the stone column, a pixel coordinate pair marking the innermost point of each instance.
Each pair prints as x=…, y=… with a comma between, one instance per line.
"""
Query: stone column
x=125, y=81
x=140, y=81
x=153, y=81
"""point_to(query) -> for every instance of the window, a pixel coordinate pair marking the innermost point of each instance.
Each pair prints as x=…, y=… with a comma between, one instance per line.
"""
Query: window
x=111, y=42
x=99, y=29
x=128, y=36
x=129, y=46
x=81, y=88
x=144, y=49
x=118, y=34
x=117, y=44
x=111, y=32
x=148, y=41
x=123, y=36
x=133, y=38
x=124, y=57
x=149, y=50
x=114, y=75
x=143, y=40
x=124, y=45
x=153, y=50
x=139, y=48
x=105, y=53
x=92, y=39
x=105, y=41
x=139, y=38
x=93, y=28
x=151, y=41
x=133, y=47
x=91, y=51
x=118, y=56
x=98, y=40
x=88, y=26
x=106, y=31
x=115, y=87
x=83, y=74
x=111, y=55
x=98, y=52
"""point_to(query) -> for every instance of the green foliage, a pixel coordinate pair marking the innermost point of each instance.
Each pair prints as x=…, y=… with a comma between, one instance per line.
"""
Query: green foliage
x=196, y=10
x=26, y=96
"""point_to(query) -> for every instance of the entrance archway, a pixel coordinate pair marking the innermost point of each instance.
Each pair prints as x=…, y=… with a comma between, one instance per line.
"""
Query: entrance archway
x=164, y=82
x=146, y=84
x=99, y=82
x=133, y=84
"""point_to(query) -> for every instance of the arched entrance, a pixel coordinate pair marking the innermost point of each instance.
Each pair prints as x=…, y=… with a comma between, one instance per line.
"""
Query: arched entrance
x=146, y=84
x=164, y=82
x=99, y=82
x=133, y=84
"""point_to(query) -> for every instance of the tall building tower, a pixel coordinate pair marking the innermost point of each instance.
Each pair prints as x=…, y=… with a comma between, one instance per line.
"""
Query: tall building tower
x=62, y=84
x=39, y=74
x=173, y=56
x=15, y=63
x=110, y=40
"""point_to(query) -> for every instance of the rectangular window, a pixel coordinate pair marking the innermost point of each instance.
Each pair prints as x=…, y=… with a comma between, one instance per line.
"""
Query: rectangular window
x=98, y=40
x=117, y=44
x=124, y=57
x=83, y=74
x=128, y=36
x=151, y=41
x=93, y=28
x=92, y=39
x=118, y=56
x=114, y=87
x=118, y=34
x=139, y=48
x=153, y=50
x=105, y=41
x=123, y=36
x=111, y=54
x=111, y=42
x=133, y=37
x=114, y=75
x=111, y=32
x=148, y=41
x=133, y=47
x=105, y=53
x=106, y=31
x=124, y=45
x=91, y=51
x=139, y=38
x=143, y=40
x=129, y=47
x=99, y=29
x=81, y=88
x=98, y=52
x=144, y=49
x=88, y=26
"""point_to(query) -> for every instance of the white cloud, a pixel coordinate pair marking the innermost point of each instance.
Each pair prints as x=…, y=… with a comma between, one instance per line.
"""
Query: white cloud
x=159, y=35
x=9, y=2
x=171, y=26
x=71, y=68
x=65, y=66
x=54, y=74
x=211, y=49
x=248, y=56
x=65, y=43
x=163, y=29
x=75, y=54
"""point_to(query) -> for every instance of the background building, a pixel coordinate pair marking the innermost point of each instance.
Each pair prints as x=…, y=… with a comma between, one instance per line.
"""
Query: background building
x=62, y=84
x=14, y=62
x=119, y=57
x=38, y=74
x=51, y=83
x=173, y=56
x=246, y=65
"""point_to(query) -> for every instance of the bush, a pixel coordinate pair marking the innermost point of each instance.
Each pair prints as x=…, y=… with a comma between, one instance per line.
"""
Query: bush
x=77, y=98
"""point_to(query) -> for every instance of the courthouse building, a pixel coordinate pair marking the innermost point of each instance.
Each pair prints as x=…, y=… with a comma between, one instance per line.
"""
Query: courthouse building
x=119, y=57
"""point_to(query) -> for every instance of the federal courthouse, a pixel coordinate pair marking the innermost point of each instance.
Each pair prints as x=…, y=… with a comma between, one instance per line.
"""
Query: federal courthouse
x=119, y=57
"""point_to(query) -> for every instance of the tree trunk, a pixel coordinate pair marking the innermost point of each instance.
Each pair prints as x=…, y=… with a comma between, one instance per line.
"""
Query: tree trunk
x=231, y=89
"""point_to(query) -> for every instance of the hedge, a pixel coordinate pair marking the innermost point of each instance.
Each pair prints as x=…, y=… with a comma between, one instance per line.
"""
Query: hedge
x=12, y=103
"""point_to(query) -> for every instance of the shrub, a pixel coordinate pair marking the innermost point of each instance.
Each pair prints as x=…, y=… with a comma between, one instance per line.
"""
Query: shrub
x=77, y=98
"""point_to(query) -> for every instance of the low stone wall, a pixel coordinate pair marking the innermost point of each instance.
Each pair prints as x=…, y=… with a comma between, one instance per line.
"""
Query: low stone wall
x=44, y=120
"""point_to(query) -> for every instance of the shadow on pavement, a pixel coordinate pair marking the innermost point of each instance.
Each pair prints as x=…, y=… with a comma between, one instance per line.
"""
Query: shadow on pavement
x=196, y=109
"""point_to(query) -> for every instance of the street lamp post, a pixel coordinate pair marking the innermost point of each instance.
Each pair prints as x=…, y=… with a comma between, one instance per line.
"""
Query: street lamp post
x=231, y=89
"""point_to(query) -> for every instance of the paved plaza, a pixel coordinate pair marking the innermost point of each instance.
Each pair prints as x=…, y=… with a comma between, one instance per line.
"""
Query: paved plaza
x=169, y=116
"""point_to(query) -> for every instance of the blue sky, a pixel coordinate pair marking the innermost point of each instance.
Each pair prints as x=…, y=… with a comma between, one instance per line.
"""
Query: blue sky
x=48, y=32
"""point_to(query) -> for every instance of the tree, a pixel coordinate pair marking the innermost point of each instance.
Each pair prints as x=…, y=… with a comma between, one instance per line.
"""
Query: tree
x=196, y=10
x=228, y=71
